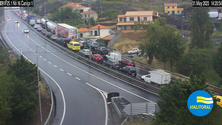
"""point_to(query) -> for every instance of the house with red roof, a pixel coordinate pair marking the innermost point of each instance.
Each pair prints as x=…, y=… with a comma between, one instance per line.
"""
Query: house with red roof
x=77, y=7
x=94, y=33
x=127, y=21
x=86, y=15
x=171, y=9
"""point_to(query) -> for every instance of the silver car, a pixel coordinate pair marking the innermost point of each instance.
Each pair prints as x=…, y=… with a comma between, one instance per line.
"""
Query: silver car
x=85, y=52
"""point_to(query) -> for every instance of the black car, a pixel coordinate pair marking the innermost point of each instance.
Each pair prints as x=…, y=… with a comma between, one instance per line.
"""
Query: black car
x=44, y=31
x=63, y=41
x=129, y=70
x=112, y=63
x=48, y=34
x=101, y=50
x=53, y=37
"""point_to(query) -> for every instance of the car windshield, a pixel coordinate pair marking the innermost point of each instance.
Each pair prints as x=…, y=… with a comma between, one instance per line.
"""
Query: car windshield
x=76, y=44
x=132, y=68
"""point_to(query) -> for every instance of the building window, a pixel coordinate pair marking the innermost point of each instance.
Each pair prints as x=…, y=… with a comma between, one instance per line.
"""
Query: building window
x=178, y=11
x=145, y=19
x=131, y=19
x=81, y=35
x=168, y=7
x=173, y=7
x=120, y=19
x=168, y=12
x=96, y=33
x=85, y=15
x=91, y=33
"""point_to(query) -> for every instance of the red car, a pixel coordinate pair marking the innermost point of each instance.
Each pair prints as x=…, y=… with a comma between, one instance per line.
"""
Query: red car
x=97, y=57
x=127, y=62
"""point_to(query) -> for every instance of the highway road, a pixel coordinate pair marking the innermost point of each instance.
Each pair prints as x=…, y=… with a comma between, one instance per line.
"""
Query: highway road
x=77, y=86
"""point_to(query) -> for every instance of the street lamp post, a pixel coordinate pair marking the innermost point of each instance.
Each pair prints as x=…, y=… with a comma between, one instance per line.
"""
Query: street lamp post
x=182, y=25
x=89, y=38
x=40, y=103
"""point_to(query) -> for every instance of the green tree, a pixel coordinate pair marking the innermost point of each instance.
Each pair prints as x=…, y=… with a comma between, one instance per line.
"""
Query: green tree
x=173, y=104
x=162, y=41
x=67, y=15
x=202, y=29
x=195, y=61
x=170, y=47
x=217, y=61
x=24, y=70
x=23, y=99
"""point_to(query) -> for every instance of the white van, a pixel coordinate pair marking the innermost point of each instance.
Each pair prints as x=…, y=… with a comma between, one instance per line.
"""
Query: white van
x=114, y=56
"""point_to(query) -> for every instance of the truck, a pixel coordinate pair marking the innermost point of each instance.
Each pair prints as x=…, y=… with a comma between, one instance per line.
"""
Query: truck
x=157, y=77
x=67, y=31
x=51, y=26
x=43, y=22
x=32, y=22
x=30, y=17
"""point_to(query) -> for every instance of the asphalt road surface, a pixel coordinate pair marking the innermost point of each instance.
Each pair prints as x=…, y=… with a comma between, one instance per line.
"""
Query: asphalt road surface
x=77, y=87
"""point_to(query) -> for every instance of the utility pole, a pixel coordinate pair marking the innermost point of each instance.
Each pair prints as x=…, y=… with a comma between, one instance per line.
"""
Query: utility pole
x=40, y=103
x=182, y=25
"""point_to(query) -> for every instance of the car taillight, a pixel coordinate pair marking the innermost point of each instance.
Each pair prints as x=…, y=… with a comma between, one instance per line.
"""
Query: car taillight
x=96, y=58
x=128, y=64
x=64, y=42
x=102, y=58
x=113, y=64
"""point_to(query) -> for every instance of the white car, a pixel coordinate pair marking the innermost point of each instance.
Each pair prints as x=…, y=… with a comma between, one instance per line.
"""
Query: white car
x=16, y=21
x=26, y=31
x=36, y=26
x=134, y=50
x=85, y=52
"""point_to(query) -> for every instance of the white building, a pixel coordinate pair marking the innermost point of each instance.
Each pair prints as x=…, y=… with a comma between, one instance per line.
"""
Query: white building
x=95, y=32
x=78, y=7
x=88, y=14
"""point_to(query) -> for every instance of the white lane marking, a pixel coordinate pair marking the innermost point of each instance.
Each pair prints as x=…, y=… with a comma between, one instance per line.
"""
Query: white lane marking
x=69, y=74
x=55, y=66
x=33, y=51
x=44, y=59
x=94, y=75
x=104, y=99
x=63, y=98
x=40, y=56
x=61, y=70
x=49, y=62
x=28, y=47
x=78, y=78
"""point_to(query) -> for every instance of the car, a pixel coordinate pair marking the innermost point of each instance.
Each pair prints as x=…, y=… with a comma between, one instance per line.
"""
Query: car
x=74, y=45
x=48, y=34
x=97, y=58
x=129, y=70
x=134, y=51
x=101, y=50
x=39, y=29
x=53, y=37
x=44, y=31
x=94, y=45
x=62, y=41
x=127, y=62
x=16, y=21
x=219, y=100
x=36, y=26
x=85, y=52
x=112, y=63
x=26, y=31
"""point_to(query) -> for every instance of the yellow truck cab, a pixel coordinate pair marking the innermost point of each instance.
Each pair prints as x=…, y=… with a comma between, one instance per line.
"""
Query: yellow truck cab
x=219, y=100
x=74, y=45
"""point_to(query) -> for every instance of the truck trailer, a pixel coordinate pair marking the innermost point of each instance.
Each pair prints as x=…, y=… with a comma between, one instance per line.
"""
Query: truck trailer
x=157, y=77
x=67, y=31
x=51, y=26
